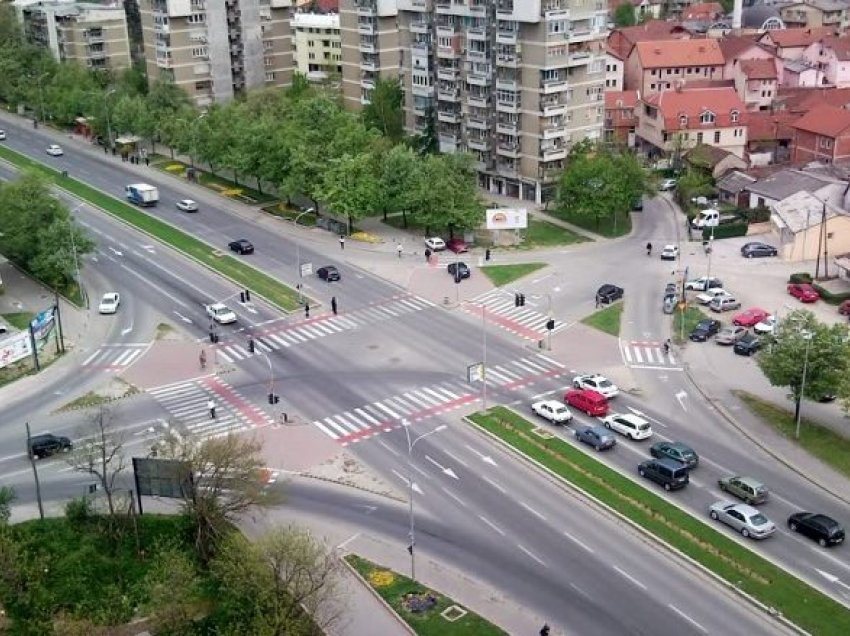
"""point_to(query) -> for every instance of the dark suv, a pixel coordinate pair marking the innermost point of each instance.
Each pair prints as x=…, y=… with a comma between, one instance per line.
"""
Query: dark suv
x=45, y=445
x=672, y=475
x=825, y=530
x=608, y=293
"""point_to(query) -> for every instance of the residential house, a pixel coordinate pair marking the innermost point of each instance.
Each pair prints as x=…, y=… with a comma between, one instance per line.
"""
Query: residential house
x=803, y=222
x=830, y=55
x=614, y=69
x=703, y=12
x=801, y=100
x=620, y=117
x=740, y=47
x=732, y=188
x=781, y=184
x=644, y=9
x=756, y=82
x=822, y=134
x=816, y=13
x=653, y=67
x=801, y=73
x=714, y=159
x=769, y=136
x=789, y=44
x=622, y=41
x=677, y=120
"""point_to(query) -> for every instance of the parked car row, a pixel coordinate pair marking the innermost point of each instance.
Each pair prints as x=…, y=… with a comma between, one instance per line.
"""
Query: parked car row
x=456, y=245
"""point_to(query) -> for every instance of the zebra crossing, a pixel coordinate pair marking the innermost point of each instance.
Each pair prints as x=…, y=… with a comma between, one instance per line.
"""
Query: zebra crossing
x=282, y=337
x=186, y=402
x=526, y=322
x=387, y=414
x=115, y=357
x=647, y=354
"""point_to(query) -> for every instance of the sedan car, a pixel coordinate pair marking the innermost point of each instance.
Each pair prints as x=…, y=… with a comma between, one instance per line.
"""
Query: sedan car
x=553, y=411
x=458, y=246
x=676, y=451
x=825, y=530
x=750, y=317
x=597, y=436
x=743, y=518
x=435, y=244
x=667, y=184
x=724, y=302
x=747, y=345
x=187, y=205
x=109, y=303
x=708, y=295
x=628, y=424
x=608, y=293
x=803, y=292
x=746, y=488
x=670, y=253
x=2, y=135
x=221, y=313
x=704, y=330
x=241, y=246
x=730, y=335
x=669, y=304
x=598, y=383
x=459, y=270
x=328, y=273
x=757, y=250
x=766, y=326
x=703, y=283
x=55, y=151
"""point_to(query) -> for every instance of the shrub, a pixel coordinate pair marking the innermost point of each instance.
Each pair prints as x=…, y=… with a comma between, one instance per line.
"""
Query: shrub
x=831, y=297
x=800, y=277
x=756, y=215
x=726, y=230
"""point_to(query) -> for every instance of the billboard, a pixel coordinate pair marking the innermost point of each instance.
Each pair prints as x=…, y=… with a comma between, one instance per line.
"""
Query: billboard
x=43, y=324
x=14, y=348
x=507, y=219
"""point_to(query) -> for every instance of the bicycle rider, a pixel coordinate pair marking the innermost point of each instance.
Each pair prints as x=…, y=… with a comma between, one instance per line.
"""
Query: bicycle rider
x=649, y=249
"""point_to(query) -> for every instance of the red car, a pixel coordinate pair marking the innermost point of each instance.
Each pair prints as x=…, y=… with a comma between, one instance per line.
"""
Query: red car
x=458, y=246
x=587, y=400
x=804, y=292
x=750, y=317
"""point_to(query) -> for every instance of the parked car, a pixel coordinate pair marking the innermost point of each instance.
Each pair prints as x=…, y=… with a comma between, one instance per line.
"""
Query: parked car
x=597, y=436
x=667, y=184
x=55, y=151
x=669, y=253
x=677, y=451
x=669, y=304
x=435, y=244
x=821, y=528
x=608, y=293
x=109, y=303
x=750, y=317
x=670, y=288
x=47, y=444
x=587, y=401
x=669, y=473
x=553, y=411
x=328, y=273
x=730, y=335
x=703, y=283
x=2, y=135
x=459, y=270
x=708, y=295
x=725, y=302
x=746, y=488
x=803, y=292
x=628, y=424
x=749, y=521
x=704, y=330
x=187, y=205
x=844, y=308
x=747, y=345
x=598, y=383
x=637, y=205
x=457, y=245
x=241, y=246
x=766, y=326
x=757, y=250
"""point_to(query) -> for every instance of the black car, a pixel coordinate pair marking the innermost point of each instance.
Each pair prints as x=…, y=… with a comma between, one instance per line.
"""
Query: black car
x=45, y=445
x=329, y=273
x=637, y=205
x=676, y=451
x=757, y=250
x=459, y=270
x=747, y=345
x=608, y=293
x=704, y=330
x=825, y=530
x=241, y=246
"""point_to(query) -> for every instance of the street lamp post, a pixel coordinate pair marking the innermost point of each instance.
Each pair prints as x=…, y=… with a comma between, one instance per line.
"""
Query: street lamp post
x=807, y=335
x=195, y=138
x=108, y=122
x=40, y=96
x=410, y=445
x=298, y=256
x=484, y=356
x=710, y=252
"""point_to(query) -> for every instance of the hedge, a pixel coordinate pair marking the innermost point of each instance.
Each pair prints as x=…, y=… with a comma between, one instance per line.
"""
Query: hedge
x=727, y=230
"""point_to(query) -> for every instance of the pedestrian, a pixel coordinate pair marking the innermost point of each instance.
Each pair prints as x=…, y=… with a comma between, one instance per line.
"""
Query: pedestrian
x=341, y=242
x=211, y=407
x=544, y=631
x=147, y=160
x=427, y=255
x=667, y=346
x=203, y=359
x=333, y=305
x=306, y=310
x=597, y=301
x=487, y=254
x=399, y=249
x=113, y=151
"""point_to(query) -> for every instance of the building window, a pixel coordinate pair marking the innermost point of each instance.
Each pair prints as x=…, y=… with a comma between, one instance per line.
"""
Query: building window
x=269, y=76
x=825, y=142
x=717, y=136
x=735, y=115
x=199, y=51
x=652, y=87
x=196, y=18
x=707, y=117
x=683, y=121
x=699, y=137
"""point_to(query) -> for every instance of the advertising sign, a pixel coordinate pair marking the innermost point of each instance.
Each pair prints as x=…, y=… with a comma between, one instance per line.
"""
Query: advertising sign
x=42, y=324
x=475, y=372
x=507, y=219
x=14, y=348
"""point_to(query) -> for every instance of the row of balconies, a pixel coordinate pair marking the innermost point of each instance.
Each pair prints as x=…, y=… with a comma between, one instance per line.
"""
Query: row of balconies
x=366, y=27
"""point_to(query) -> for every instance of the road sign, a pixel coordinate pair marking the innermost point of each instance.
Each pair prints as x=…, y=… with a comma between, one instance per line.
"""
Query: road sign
x=475, y=372
x=306, y=269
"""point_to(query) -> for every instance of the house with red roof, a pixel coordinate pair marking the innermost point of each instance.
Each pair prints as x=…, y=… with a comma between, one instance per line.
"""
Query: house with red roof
x=653, y=67
x=678, y=120
x=620, y=118
x=830, y=55
x=769, y=136
x=614, y=69
x=789, y=44
x=741, y=47
x=621, y=41
x=757, y=82
x=703, y=12
x=822, y=134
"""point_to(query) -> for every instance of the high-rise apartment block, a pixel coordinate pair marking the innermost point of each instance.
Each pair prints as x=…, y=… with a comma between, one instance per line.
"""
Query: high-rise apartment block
x=93, y=35
x=514, y=82
x=217, y=49
x=317, y=45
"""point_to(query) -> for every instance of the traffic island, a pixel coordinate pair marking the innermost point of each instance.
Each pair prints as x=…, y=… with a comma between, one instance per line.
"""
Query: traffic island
x=606, y=320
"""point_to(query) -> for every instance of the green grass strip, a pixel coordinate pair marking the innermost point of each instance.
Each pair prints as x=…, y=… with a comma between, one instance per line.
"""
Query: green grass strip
x=241, y=274
x=392, y=586
x=770, y=584
x=503, y=274
x=607, y=320
x=685, y=321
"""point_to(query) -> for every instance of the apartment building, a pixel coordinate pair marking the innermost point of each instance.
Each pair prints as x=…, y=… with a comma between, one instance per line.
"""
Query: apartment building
x=816, y=13
x=514, y=82
x=92, y=35
x=317, y=45
x=218, y=49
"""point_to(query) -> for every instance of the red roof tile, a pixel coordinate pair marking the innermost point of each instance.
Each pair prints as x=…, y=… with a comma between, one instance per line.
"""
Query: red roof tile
x=703, y=11
x=758, y=69
x=800, y=100
x=839, y=45
x=824, y=119
x=620, y=99
x=678, y=53
x=764, y=125
x=786, y=38
x=734, y=46
x=624, y=39
x=693, y=102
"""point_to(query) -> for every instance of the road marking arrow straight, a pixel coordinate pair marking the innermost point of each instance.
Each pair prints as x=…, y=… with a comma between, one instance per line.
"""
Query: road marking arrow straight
x=116, y=252
x=833, y=579
x=149, y=248
x=183, y=318
x=445, y=471
x=484, y=458
x=681, y=396
x=415, y=487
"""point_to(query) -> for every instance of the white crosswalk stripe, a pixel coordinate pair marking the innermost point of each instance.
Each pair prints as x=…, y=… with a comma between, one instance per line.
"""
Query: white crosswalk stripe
x=648, y=354
x=524, y=320
x=114, y=357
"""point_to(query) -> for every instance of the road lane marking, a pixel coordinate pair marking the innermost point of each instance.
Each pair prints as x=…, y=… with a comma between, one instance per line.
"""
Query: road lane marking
x=687, y=618
x=492, y=525
x=495, y=485
x=531, y=554
x=577, y=542
x=455, y=497
x=456, y=458
x=532, y=511
x=629, y=577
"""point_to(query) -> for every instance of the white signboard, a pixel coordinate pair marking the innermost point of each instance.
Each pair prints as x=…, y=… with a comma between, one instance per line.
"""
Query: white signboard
x=475, y=372
x=507, y=219
x=14, y=348
x=306, y=269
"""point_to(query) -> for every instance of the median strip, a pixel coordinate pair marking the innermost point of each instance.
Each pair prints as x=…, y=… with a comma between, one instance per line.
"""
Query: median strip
x=238, y=272
x=743, y=569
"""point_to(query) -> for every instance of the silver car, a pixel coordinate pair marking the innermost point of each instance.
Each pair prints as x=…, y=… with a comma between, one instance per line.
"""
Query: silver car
x=745, y=519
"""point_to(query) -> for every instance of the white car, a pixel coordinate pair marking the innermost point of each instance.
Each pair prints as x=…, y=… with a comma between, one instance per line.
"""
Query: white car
x=598, y=383
x=553, y=411
x=187, y=205
x=766, y=326
x=55, y=151
x=628, y=424
x=703, y=282
x=435, y=244
x=667, y=184
x=2, y=135
x=707, y=296
x=670, y=253
x=747, y=520
x=109, y=303
x=221, y=313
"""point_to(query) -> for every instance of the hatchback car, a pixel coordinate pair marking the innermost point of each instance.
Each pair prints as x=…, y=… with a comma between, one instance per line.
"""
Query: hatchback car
x=766, y=326
x=730, y=335
x=637, y=205
x=598, y=383
x=707, y=296
x=587, y=401
x=458, y=246
x=757, y=250
x=676, y=451
x=187, y=205
x=608, y=294
x=435, y=244
x=46, y=444
x=825, y=530
x=669, y=253
x=667, y=184
x=221, y=313
x=746, y=488
x=109, y=303
x=669, y=304
x=803, y=292
x=241, y=246
x=670, y=474
x=750, y=317
x=459, y=271
x=724, y=302
x=55, y=151
x=553, y=411
x=596, y=436
x=750, y=522
x=703, y=283
x=747, y=345
x=704, y=330
x=2, y=135
x=628, y=424
x=328, y=273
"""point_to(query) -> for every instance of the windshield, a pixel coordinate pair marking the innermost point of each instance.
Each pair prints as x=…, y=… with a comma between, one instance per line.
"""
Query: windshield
x=643, y=427
x=605, y=383
x=758, y=520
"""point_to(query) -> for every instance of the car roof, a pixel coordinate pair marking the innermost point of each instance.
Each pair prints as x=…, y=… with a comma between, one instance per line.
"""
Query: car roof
x=750, y=481
x=218, y=306
x=631, y=417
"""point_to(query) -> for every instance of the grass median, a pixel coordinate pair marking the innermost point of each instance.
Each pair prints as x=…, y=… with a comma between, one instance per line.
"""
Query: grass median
x=737, y=564
x=607, y=319
x=503, y=274
x=241, y=274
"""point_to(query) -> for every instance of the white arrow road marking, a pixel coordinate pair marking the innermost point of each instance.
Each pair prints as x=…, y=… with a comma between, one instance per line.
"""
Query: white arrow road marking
x=367, y=508
x=681, y=396
x=93, y=258
x=484, y=458
x=127, y=330
x=249, y=307
x=647, y=417
x=116, y=252
x=149, y=248
x=832, y=578
x=445, y=471
x=415, y=487
x=183, y=318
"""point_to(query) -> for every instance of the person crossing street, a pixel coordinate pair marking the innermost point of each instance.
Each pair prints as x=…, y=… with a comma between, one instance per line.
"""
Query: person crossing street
x=211, y=407
x=333, y=305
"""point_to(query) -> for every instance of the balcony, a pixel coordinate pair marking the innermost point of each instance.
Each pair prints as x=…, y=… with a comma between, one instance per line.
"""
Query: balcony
x=478, y=79
x=478, y=101
x=506, y=37
x=479, y=34
x=420, y=110
x=554, y=131
x=579, y=58
x=422, y=91
x=506, y=128
x=368, y=83
x=422, y=27
x=420, y=48
x=507, y=85
x=509, y=168
x=448, y=74
x=553, y=154
x=366, y=28
x=511, y=60
x=478, y=144
x=94, y=38
x=448, y=94
x=583, y=35
x=551, y=87
x=368, y=10
x=558, y=14
x=511, y=108
x=444, y=31
x=477, y=123
x=449, y=139
x=448, y=116
x=368, y=65
x=476, y=56
x=367, y=47
x=554, y=109
x=508, y=149
x=447, y=52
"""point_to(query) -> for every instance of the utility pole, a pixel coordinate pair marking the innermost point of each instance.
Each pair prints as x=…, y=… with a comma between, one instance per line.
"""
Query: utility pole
x=35, y=473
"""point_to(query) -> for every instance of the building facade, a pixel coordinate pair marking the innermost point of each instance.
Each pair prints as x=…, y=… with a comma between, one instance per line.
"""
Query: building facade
x=317, y=45
x=514, y=82
x=92, y=35
x=218, y=49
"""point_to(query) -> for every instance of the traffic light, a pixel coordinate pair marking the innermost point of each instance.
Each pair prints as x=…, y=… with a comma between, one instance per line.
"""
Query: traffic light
x=550, y=324
x=516, y=300
x=250, y=345
x=273, y=398
x=213, y=337
x=242, y=297
x=248, y=295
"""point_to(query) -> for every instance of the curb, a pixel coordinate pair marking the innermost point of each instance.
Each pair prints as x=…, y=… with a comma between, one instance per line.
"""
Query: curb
x=330, y=480
x=407, y=628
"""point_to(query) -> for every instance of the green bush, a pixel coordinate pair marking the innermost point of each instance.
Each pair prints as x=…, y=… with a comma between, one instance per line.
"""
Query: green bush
x=800, y=277
x=831, y=297
x=755, y=215
x=727, y=230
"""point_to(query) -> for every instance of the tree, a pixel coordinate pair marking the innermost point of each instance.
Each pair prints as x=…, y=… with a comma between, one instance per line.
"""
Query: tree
x=446, y=193
x=350, y=186
x=384, y=111
x=624, y=15
x=7, y=496
x=399, y=176
x=285, y=583
x=692, y=183
x=785, y=355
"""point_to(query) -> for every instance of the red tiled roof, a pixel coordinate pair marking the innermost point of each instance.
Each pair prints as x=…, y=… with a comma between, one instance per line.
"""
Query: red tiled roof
x=839, y=45
x=703, y=11
x=327, y=6
x=764, y=125
x=624, y=39
x=678, y=53
x=758, y=69
x=800, y=100
x=786, y=38
x=824, y=119
x=620, y=99
x=694, y=102
x=733, y=46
